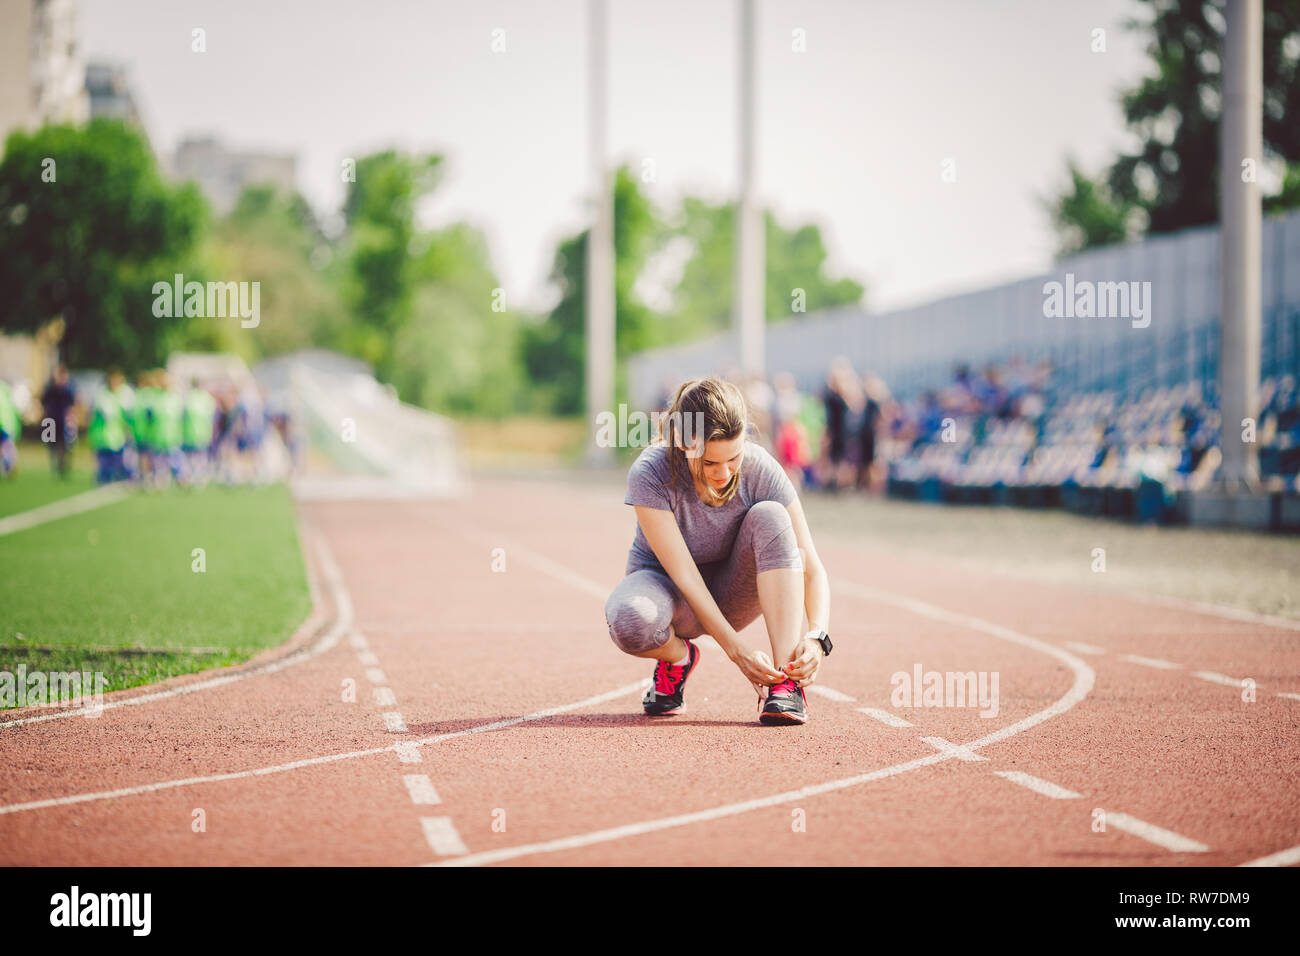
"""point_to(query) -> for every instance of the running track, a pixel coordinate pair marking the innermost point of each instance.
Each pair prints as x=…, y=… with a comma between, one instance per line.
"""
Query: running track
x=495, y=722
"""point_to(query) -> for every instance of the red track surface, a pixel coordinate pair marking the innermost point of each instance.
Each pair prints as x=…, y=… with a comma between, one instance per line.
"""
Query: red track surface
x=461, y=646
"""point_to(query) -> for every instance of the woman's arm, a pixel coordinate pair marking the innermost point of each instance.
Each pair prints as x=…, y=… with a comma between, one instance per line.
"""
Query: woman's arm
x=816, y=583
x=660, y=529
x=807, y=658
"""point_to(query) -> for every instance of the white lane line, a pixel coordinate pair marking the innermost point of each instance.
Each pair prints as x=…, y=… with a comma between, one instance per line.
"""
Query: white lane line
x=64, y=507
x=553, y=568
x=1224, y=679
x=1084, y=677
x=952, y=749
x=327, y=758
x=359, y=644
x=684, y=819
x=342, y=621
x=1083, y=648
x=1037, y=784
x=442, y=836
x=375, y=676
x=1292, y=696
x=885, y=717
x=1221, y=610
x=394, y=722
x=408, y=752
x=830, y=694
x=1150, y=662
x=1282, y=858
x=1154, y=834
x=384, y=697
x=420, y=787
x=368, y=658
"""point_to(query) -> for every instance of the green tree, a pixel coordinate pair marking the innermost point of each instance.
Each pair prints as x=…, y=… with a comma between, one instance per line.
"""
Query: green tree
x=1170, y=180
x=379, y=279
x=553, y=350
x=795, y=259
x=87, y=235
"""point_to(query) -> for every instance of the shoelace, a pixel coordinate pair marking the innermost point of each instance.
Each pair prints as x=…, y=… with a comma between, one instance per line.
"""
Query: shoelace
x=665, y=681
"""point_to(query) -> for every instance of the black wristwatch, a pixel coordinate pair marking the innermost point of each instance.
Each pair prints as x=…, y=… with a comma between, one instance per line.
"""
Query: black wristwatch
x=824, y=639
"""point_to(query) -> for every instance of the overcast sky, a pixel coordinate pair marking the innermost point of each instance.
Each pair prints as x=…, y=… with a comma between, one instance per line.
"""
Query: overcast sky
x=853, y=132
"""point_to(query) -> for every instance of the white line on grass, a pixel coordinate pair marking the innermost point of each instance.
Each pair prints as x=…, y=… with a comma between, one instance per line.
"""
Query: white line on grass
x=63, y=508
x=343, y=620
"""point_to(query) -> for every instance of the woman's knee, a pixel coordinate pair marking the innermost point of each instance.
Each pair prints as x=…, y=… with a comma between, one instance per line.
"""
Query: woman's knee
x=637, y=621
x=772, y=532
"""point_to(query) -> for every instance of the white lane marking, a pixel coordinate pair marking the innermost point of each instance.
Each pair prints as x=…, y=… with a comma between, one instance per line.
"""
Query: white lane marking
x=384, y=697
x=394, y=722
x=1221, y=610
x=359, y=644
x=1150, y=662
x=1292, y=696
x=342, y=621
x=553, y=568
x=701, y=816
x=952, y=749
x=1282, y=858
x=1083, y=648
x=1037, y=784
x=420, y=787
x=885, y=717
x=1154, y=834
x=1084, y=677
x=1224, y=679
x=442, y=836
x=375, y=676
x=368, y=658
x=830, y=694
x=407, y=752
x=327, y=758
x=63, y=508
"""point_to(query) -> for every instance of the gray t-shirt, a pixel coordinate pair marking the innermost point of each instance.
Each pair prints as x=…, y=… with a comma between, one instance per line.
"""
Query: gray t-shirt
x=709, y=532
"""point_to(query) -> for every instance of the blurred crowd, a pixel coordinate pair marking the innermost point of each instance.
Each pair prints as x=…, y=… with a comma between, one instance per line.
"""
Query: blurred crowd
x=156, y=433
x=1004, y=427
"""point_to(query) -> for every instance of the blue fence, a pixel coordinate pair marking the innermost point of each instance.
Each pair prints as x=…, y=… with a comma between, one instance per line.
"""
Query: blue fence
x=914, y=349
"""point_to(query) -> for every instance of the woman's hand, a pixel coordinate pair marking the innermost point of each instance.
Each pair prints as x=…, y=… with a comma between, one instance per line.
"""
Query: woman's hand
x=803, y=668
x=757, y=667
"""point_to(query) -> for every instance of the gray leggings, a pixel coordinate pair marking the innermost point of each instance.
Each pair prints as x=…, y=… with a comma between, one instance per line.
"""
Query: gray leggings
x=646, y=601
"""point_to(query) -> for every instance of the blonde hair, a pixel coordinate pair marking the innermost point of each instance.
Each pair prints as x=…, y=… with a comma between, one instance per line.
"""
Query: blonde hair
x=704, y=409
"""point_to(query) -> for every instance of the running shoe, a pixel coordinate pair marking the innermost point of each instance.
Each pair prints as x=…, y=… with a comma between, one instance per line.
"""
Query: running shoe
x=786, y=704
x=663, y=698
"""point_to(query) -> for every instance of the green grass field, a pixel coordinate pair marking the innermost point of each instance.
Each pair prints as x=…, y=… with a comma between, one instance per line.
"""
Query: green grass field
x=116, y=590
x=35, y=484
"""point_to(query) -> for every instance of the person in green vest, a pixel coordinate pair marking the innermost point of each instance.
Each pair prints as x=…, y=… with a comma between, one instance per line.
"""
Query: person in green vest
x=143, y=421
x=197, y=421
x=108, y=433
x=168, y=411
x=11, y=429
x=126, y=399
